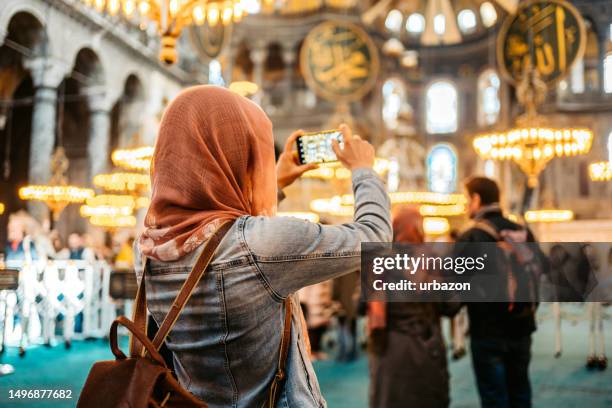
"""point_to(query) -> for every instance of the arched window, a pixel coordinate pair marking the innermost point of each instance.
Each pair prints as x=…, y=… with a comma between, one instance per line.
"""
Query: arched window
x=577, y=77
x=608, y=73
x=441, y=108
x=394, y=96
x=415, y=23
x=215, y=76
x=467, y=21
x=394, y=19
x=442, y=169
x=488, y=98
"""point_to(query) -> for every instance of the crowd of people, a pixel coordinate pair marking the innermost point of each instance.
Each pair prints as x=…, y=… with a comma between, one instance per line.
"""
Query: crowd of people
x=29, y=240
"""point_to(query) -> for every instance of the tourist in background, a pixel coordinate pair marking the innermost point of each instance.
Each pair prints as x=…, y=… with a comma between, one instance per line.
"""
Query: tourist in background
x=408, y=366
x=500, y=340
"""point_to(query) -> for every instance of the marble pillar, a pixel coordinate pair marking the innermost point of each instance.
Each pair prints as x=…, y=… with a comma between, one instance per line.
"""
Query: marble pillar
x=99, y=131
x=258, y=55
x=46, y=77
x=289, y=57
x=47, y=74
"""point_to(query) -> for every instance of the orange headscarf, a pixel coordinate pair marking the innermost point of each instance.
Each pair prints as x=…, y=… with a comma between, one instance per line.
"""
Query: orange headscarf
x=213, y=161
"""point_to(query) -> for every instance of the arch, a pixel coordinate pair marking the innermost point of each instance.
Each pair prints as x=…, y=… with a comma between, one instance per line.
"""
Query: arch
x=20, y=8
x=442, y=168
x=87, y=69
x=441, y=107
x=489, y=104
x=128, y=115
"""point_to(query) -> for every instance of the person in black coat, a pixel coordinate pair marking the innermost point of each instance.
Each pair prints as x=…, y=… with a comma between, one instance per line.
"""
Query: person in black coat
x=500, y=341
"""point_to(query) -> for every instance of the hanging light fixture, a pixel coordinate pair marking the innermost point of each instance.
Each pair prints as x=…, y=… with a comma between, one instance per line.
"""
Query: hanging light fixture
x=430, y=204
x=123, y=182
x=57, y=194
x=1, y=208
x=549, y=216
x=138, y=158
x=601, y=171
x=171, y=16
x=533, y=142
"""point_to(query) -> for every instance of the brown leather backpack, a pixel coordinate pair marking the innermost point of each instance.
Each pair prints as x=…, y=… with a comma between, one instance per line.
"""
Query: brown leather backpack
x=143, y=379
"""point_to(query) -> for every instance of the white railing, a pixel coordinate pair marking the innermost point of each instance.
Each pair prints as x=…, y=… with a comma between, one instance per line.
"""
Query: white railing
x=48, y=289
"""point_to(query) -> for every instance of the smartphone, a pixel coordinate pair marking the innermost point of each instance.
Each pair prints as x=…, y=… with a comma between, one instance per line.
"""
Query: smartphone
x=316, y=147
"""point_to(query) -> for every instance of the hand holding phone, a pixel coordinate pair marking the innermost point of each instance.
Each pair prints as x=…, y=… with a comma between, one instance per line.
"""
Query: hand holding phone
x=316, y=147
x=355, y=153
x=288, y=168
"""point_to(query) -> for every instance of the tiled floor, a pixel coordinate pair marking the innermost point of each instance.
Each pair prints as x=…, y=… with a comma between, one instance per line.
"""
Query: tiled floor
x=557, y=383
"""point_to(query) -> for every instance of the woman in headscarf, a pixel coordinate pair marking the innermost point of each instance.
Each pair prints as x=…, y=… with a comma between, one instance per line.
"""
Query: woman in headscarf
x=214, y=162
x=407, y=351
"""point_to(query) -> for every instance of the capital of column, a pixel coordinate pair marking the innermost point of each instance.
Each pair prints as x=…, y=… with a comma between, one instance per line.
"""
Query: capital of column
x=259, y=53
x=46, y=72
x=289, y=53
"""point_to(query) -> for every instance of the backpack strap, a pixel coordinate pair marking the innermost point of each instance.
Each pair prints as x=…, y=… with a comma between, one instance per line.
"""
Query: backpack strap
x=197, y=272
x=279, y=378
x=487, y=227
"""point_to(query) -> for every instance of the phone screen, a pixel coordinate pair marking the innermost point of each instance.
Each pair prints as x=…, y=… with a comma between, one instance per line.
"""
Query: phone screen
x=316, y=147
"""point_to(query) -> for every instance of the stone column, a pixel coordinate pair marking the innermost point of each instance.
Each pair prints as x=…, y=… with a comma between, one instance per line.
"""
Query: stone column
x=46, y=77
x=99, y=131
x=259, y=53
x=46, y=74
x=230, y=59
x=289, y=57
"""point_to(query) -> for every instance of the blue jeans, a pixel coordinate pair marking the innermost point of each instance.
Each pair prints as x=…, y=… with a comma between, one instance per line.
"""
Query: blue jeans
x=501, y=367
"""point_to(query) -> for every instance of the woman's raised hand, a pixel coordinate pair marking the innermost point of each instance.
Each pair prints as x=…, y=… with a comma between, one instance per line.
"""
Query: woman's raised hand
x=356, y=153
x=288, y=168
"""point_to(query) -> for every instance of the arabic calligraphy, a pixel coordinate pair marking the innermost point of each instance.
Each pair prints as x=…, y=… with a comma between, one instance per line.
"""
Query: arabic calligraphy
x=548, y=35
x=339, y=61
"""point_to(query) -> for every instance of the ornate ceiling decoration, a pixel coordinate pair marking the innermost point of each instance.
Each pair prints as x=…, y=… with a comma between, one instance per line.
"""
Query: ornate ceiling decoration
x=436, y=22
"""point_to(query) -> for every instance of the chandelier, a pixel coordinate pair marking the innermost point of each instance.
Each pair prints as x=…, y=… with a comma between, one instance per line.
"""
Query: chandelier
x=1, y=208
x=435, y=225
x=113, y=221
x=138, y=159
x=171, y=16
x=123, y=181
x=430, y=204
x=533, y=142
x=601, y=171
x=130, y=190
x=57, y=194
x=549, y=216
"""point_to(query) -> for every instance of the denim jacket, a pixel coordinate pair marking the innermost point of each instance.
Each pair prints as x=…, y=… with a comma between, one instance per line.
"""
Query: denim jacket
x=226, y=341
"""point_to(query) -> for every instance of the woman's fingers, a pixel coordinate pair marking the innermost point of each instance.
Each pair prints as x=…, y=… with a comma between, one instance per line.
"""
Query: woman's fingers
x=291, y=140
x=306, y=167
x=347, y=133
x=336, y=148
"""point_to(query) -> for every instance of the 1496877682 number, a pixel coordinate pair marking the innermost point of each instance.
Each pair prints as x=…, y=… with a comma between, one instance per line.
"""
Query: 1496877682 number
x=40, y=394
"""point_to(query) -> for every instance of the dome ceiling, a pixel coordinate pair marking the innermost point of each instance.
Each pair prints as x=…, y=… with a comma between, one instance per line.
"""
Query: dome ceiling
x=437, y=22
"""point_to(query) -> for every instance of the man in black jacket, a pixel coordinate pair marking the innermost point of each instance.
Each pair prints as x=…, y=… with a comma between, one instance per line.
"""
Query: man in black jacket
x=500, y=341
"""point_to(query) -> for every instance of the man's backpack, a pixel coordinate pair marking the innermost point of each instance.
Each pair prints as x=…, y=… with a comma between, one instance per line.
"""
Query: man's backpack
x=520, y=263
x=143, y=380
